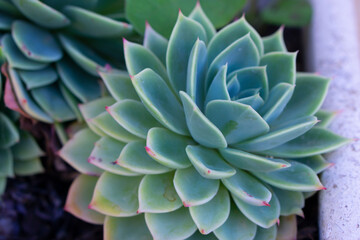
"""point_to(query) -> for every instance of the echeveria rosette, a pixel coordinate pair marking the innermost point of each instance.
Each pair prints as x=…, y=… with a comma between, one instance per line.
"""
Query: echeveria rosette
x=221, y=140
x=54, y=50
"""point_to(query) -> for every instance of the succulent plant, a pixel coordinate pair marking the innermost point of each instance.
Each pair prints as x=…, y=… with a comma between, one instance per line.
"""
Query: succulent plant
x=213, y=133
x=19, y=152
x=54, y=50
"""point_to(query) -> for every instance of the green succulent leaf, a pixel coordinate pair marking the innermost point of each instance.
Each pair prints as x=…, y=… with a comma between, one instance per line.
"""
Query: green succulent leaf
x=265, y=216
x=16, y=58
x=279, y=97
x=105, y=26
x=186, y=180
x=41, y=14
x=134, y=157
x=240, y=54
x=237, y=226
x=287, y=228
x=252, y=162
x=131, y=228
x=291, y=202
x=119, y=201
x=181, y=42
x=235, y=120
x=9, y=134
x=84, y=86
x=38, y=78
x=71, y=100
x=275, y=42
x=105, y=154
x=199, y=15
x=266, y=233
x=279, y=135
x=110, y=127
x=297, y=177
x=233, y=86
x=133, y=116
x=314, y=142
x=248, y=189
x=155, y=43
x=119, y=84
x=26, y=148
x=196, y=73
x=77, y=150
x=199, y=236
x=212, y=214
x=314, y=88
x=201, y=128
x=2, y=185
x=7, y=164
x=5, y=22
x=157, y=194
x=35, y=43
x=209, y=163
x=58, y=109
x=79, y=197
x=174, y=225
x=28, y=167
x=160, y=101
x=280, y=67
x=230, y=34
x=317, y=163
x=218, y=88
x=325, y=117
x=168, y=148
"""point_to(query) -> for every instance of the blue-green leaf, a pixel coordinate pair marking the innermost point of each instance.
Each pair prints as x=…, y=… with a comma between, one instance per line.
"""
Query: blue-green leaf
x=218, y=88
x=275, y=42
x=9, y=134
x=38, y=78
x=156, y=43
x=199, y=15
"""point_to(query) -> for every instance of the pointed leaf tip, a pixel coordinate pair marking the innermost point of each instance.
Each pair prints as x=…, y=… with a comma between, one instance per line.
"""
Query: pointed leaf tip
x=266, y=203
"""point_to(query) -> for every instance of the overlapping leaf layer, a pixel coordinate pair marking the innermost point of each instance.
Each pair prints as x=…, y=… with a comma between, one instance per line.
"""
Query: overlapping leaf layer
x=214, y=133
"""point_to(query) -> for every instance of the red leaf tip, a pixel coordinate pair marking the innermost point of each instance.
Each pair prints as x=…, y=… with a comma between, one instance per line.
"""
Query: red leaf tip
x=202, y=231
x=186, y=204
x=266, y=203
x=284, y=165
x=198, y=3
x=125, y=41
x=322, y=188
x=278, y=221
x=208, y=171
x=149, y=151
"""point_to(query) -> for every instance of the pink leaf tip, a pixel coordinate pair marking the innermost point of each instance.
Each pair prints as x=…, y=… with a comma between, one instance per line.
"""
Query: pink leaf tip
x=149, y=151
x=186, y=204
x=284, y=165
x=202, y=231
x=208, y=171
x=322, y=188
x=266, y=203
x=198, y=3
x=125, y=41
x=278, y=222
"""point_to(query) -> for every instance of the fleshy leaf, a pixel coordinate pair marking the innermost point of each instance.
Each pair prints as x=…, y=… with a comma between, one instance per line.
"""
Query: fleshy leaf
x=196, y=73
x=254, y=101
x=297, y=177
x=35, y=43
x=266, y=233
x=160, y=101
x=316, y=141
x=133, y=116
x=218, y=88
x=317, y=163
x=77, y=150
x=230, y=34
x=105, y=26
x=157, y=194
x=201, y=128
x=314, y=88
x=71, y=100
x=291, y=202
x=186, y=180
x=168, y=148
x=280, y=135
x=9, y=134
x=186, y=31
x=288, y=228
x=280, y=67
x=235, y=120
x=132, y=228
x=156, y=43
x=79, y=197
x=237, y=226
x=38, y=78
x=209, y=163
x=26, y=148
x=199, y=15
x=265, y=216
x=104, y=156
x=119, y=84
x=28, y=167
x=134, y=157
x=213, y=214
x=275, y=42
x=240, y=54
x=251, y=162
x=233, y=87
x=248, y=189
x=108, y=125
x=325, y=117
x=176, y=225
x=7, y=164
x=42, y=14
x=279, y=96
x=118, y=201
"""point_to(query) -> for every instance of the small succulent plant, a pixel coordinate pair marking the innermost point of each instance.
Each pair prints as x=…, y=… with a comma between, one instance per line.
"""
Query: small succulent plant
x=213, y=133
x=19, y=152
x=54, y=50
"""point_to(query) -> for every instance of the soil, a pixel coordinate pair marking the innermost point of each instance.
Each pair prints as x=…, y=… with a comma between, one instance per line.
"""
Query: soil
x=32, y=207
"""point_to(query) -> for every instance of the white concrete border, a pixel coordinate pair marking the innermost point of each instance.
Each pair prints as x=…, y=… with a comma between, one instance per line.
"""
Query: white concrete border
x=333, y=51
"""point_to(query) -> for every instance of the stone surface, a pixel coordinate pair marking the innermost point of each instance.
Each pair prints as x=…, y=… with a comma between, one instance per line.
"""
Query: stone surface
x=334, y=52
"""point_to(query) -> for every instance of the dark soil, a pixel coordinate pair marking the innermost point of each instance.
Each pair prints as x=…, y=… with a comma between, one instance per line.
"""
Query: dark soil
x=32, y=207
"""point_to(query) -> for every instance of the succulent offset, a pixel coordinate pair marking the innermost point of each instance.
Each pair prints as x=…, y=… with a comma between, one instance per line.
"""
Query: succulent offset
x=213, y=133
x=54, y=50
